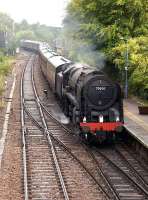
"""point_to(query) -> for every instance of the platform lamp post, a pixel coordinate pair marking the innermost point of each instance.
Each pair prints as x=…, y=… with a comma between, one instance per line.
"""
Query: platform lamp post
x=126, y=68
x=126, y=73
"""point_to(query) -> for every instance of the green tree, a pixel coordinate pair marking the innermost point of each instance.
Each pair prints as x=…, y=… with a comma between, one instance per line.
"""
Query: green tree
x=103, y=24
x=109, y=20
x=36, y=31
x=6, y=23
x=25, y=34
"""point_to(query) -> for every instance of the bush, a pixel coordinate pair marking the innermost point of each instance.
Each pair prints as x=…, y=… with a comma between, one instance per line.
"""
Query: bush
x=1, y=84
x=5, y=68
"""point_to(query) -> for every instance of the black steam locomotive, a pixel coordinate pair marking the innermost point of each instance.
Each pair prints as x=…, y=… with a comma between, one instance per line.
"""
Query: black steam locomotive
x=92, y=102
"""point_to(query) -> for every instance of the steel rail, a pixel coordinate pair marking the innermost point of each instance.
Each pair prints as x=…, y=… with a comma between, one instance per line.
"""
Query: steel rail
x=56, y=121
x=25, y=175
x=68, y=151
x=49, y=135
x=125, y=174
x=133, y=169
x=92, y=155
x=126, y=148
x=102, y=173
x=107, y=180
x=63, y=186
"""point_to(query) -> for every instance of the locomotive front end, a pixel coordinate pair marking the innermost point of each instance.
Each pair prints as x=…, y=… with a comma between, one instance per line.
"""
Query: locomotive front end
x=102, y=107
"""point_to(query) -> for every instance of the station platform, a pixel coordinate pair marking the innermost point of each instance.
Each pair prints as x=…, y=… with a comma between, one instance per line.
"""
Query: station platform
x=135, y=123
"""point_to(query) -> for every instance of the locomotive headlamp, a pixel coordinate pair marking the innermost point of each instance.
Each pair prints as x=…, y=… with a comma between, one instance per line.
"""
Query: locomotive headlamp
x=84, y=119
x=45, y=92
x=117, y=119
x=101, y=119
x=86, y=136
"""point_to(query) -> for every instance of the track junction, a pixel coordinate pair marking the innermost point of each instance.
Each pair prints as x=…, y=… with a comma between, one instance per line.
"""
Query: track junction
x=58, y=165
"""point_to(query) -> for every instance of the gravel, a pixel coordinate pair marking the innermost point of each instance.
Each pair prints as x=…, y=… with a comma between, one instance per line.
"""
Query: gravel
x=11, y=187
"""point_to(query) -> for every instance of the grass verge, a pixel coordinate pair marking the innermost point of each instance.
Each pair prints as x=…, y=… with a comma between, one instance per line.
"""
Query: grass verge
x=5, y=68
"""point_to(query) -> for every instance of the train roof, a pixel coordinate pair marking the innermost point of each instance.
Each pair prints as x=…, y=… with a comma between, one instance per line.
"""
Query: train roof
x=31, y=41
x=48, y=53
x=58, y=60
x=44, y=45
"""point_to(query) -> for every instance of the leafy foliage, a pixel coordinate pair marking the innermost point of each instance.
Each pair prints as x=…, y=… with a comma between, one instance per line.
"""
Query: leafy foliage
x=16, y=32
x=5, y=68
x=36, y=32
x=6, y=23
x=138, y=63
x=23, y=30
x=114, y=27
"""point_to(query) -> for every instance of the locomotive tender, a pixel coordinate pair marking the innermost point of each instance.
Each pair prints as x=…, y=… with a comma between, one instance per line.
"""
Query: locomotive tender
x=92, y=102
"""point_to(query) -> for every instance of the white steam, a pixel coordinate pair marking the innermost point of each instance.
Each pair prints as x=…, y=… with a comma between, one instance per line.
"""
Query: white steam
x=80, y=50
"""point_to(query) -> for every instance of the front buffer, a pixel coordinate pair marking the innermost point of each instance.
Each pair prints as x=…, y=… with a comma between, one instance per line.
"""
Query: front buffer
x=101, y=131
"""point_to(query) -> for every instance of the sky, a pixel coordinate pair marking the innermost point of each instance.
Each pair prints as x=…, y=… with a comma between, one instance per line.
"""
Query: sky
x=49, y=12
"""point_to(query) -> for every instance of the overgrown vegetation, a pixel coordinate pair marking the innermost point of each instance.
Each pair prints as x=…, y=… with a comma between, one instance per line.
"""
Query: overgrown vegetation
x=5, y=68
x=37, y=32
x=116, y=28
x=16, y=32
x=95, y=32
x=24, y=30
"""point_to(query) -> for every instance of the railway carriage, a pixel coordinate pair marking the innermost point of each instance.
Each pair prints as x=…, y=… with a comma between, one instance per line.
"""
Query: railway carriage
x=30, y=45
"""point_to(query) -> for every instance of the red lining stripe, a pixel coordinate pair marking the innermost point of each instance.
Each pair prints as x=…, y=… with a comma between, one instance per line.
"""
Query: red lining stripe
x=104, y=126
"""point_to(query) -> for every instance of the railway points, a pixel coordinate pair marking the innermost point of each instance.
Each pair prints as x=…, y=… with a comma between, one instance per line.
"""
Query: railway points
x=43, y=159
x=69, y=129
x=91, y=177
x=91, y=101
x=118, y=192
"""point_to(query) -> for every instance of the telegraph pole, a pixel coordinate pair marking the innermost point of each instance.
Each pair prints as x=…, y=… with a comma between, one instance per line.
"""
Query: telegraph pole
x=126, y=57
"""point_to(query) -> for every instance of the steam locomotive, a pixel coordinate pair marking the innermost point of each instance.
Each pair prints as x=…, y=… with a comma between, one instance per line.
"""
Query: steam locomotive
x=88, y=97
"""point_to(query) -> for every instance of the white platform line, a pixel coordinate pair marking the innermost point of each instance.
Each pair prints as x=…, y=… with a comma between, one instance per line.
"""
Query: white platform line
x=5, y=125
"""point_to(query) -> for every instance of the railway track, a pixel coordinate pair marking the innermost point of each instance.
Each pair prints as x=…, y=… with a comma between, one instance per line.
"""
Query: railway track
x=139, y=191
x=124, y=178
x=41, y=168
x=133, y=177
x=123, y=182
x=78, y=151
x=47, y=172
x=122, y=174
x=139, y=171
x=93, y=169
